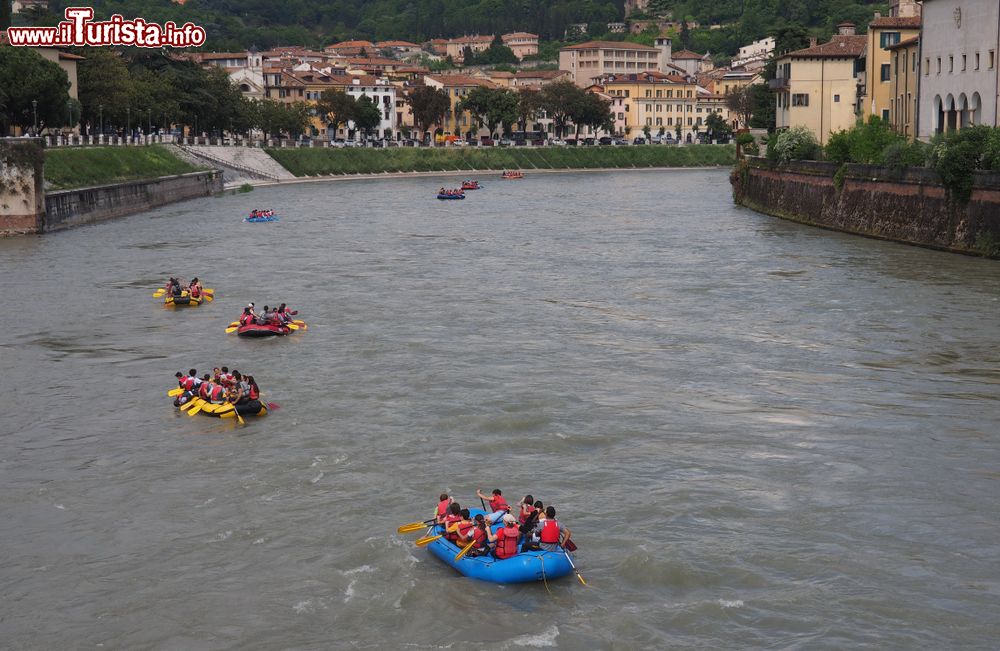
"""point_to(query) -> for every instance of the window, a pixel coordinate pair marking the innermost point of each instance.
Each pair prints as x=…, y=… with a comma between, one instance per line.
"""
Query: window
x=690, y=122
x=649, y=93
x=977, y=60
x=836, y=98
x=659, y=93
x=649, y=122
x=989, y=60
x=939, y=65
x=886, y=73
x=689, y=93
x=927, y=66
x=885, y=115
x=964, y=60
x=951, y=63
x=659, y=122
x=670, y=122
x=888, y=38
x=649, y=107
x=800, y=99
x=670, y=93
x=621, y=116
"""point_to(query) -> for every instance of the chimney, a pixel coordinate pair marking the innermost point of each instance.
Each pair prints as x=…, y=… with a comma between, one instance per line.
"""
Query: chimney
x=846, y=29
x=812, y=41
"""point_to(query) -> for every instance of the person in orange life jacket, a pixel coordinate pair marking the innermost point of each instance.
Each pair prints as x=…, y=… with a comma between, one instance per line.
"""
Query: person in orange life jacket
x=506, y=538
x=551, y=533
x=194, y=289
x=274, y=318
x=211, y=391
x=184, y=397
x=497, y=503
x=454, y=515
x=462, y=529
x=444, y=502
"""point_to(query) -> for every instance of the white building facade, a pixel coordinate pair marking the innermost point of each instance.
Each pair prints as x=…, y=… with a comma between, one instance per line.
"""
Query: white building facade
x=959, y=81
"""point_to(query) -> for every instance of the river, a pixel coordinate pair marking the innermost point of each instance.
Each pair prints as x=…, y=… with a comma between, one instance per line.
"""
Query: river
x=762, y=435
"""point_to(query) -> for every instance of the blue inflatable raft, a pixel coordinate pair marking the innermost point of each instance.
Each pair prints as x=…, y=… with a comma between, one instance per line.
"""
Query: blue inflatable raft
x=444, y=197
x=254, y=220
x=525, y=567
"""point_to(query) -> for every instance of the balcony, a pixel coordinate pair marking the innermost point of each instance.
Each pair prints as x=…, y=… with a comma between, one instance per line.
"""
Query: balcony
x=779, y=83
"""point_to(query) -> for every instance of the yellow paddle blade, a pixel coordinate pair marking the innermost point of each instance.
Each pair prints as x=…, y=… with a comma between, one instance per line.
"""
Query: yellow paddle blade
x=195, y=410
x=411, y=527
x=208, y=290
x=292, y=327
x=234, y=323
x=238, y=417
x=190, y=403
x=460, y=554
x=231, y=329
x=158, y=293
x=208, y=297
x=173, y=393
x=580, y=576
x=422, y=542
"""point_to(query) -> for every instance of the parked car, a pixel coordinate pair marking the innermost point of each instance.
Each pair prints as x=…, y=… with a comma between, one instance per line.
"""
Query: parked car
x=639, y=140
x=606, y=140
x=589, y=141
x=656, y=140
x=338, y=142
x=486, y=141
x=558, y=142
x=506, y=142
x=621, y=141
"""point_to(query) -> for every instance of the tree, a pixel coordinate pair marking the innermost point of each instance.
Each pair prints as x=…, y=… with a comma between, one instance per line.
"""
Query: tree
x=594, y=112
x=717, y=128
x=32, y=87
x=741, y=102
x=429, y=106
x=646, y=131
x=335, y=107
x=528, y=106
x=763, y=116
x=367, y=115
x=275, y=118
x=5, y=9
x=562, y=101
x=491, y=107
x=105, y=87
x=468, y=56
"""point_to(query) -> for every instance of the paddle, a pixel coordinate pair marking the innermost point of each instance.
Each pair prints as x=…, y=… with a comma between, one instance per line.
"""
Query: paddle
x=196, y=409
x=414, y=526
x=462, y=553
x=292, y=326
x=190, y=403
x=578, y=575
x=238, y=417
x=173, y=393
x=158, y=293
x=423, y=542
x=231, y=329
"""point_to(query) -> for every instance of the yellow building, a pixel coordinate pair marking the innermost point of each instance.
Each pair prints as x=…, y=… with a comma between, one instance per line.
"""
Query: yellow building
x=656, y=100
x=457, y=123
x=883, y=33
x=455, y=47
x=818, y=87
x=903, y=94
x=595, y=59
x=522, y=44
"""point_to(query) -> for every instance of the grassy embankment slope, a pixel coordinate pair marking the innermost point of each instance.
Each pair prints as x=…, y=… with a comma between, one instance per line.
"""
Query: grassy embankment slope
x=318, y=162
x=80, y=167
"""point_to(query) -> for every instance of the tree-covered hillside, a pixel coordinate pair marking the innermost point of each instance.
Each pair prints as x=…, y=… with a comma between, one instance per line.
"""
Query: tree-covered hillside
x=233, y=24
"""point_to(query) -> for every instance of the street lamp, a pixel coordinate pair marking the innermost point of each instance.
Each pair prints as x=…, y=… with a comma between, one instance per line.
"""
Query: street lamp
x=195, y=126
x=100, y=110
x=69, y=110
x=34, y=111
x=149, y=121
x=128, y=122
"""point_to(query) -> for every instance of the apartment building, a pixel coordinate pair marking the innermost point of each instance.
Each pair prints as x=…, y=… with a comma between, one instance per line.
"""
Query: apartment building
x=593, y=60
x=654, y=99
x=522, y=44
x=457, y=123
x=883, y=33
x=903, y=101
x=959, y=82
x=819, y=87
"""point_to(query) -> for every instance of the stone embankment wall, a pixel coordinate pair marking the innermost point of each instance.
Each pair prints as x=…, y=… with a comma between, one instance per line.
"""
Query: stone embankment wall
x=909, y=206
x=68, y=208
x=22, y=194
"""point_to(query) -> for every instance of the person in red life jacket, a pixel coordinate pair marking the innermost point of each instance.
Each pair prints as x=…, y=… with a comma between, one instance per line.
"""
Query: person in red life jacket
x=190, y=381
x=246, y=317
x=462, y=529
x=444, y=502
x=194, y=289
x=226, y=378
x=506, y=538
x=254, y=392
x=498, y=505
x=480, y=539
x=551, y=533
x=526, y=508
x=211, y=392
x=454, y=515
x=216, y=372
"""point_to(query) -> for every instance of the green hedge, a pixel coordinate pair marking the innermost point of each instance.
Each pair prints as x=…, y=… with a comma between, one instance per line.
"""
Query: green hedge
x=78, y=167
x=330, y=161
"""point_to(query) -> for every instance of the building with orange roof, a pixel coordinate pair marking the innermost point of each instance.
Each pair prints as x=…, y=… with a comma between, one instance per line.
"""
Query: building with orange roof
x=455, y=47
x=660, y=101
x=820, y=87
x=399, y=49
x=692, y=63
x=539, y=77
x=593, y=60
x=522, y=44
x=903, y=101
